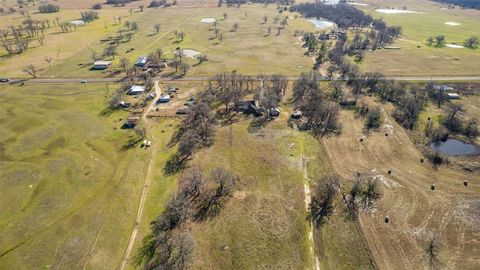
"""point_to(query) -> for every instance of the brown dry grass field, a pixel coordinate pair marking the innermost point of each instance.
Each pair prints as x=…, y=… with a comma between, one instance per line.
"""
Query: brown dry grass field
x=415, y=210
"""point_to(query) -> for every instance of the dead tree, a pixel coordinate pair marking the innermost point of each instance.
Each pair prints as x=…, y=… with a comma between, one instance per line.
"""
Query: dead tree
x=31, y=70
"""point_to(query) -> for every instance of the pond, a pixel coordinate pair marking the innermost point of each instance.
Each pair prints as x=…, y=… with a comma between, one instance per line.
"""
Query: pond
x=453, y=147
x=320, y=23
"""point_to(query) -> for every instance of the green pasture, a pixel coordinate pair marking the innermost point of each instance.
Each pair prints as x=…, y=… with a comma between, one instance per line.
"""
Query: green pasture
x=70, y=188
x=415, y=57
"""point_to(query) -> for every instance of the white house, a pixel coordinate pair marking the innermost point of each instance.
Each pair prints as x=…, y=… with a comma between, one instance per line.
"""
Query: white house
x=101, y=64
x=453, y=96
x=136, y=90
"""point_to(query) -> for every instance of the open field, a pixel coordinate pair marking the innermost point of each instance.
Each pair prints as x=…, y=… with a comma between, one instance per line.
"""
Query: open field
x=247, y=50
x=263, y=225
x=415, y=211
x=69, y=193
x=58, y=45
x=414, y=57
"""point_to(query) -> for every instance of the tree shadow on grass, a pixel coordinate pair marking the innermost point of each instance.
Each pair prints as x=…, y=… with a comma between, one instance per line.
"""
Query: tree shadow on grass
x=131, y=143
x=174, y=165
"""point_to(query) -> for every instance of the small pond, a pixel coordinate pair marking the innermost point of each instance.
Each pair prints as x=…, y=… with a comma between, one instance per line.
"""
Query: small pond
x=453, y=147
x=320, y=23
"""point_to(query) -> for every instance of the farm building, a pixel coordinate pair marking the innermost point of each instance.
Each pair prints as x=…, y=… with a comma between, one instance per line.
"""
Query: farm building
x=296, y=115
x=275, y=112
x=443, y=87
x=132, y=121
x=99, y=65
x=124, y=105
x=136, y=90
x=453, y=96
x=164, y=99
x=141, y=61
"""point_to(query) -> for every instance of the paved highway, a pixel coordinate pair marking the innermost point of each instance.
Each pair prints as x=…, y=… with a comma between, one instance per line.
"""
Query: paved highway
x=191, y=78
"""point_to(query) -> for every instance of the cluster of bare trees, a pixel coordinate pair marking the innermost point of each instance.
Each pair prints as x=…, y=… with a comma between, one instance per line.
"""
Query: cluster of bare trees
x=347, y=16
x=271, y=91
x=318, y=114
x=196, y=131
x=169, y=244
x=229, y=88
x=17, y=39
x=362, y=195
x=369, y=34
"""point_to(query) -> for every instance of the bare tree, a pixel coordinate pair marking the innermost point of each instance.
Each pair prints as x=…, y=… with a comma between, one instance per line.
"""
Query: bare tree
x=321, y=205
x=235, y=27
x=350, y=201
x=124, y=64
x=49, y=60
x=157, y=27
x=184, y=67
x=31, y=70
x=431, y=251
x=371, y=193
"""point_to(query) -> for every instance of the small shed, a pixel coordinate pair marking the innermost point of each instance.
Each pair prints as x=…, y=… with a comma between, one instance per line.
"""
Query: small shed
x=275, y=112
x=99, y=65
x=453, y=96
x=443, y=87
x=164, y=99
x=141, y=61
x=150, y=96
x=185, y=110
x=136, y=90
x=132, y=121
x=296, y=115
x=348, y=102
x=124, y=104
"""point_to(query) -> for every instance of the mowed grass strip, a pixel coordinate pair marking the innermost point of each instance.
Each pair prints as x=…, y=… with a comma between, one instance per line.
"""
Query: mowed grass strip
x=68, y=190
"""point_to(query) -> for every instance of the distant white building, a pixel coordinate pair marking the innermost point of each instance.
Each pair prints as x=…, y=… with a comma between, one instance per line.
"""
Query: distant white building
x=443, y=87
x=164, y=99
x=136, y=90
x=453, y=96
x=99, y=65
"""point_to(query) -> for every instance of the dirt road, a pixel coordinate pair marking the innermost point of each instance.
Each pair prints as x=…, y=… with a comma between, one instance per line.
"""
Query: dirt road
x=148, y=179
x=308, y=199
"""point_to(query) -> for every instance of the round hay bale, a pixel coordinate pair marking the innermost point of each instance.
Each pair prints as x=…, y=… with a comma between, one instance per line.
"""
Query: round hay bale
x=433, y=187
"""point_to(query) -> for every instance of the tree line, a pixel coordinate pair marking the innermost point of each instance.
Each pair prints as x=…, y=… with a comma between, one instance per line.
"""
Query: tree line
x=462, y=3
x=169, y=245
